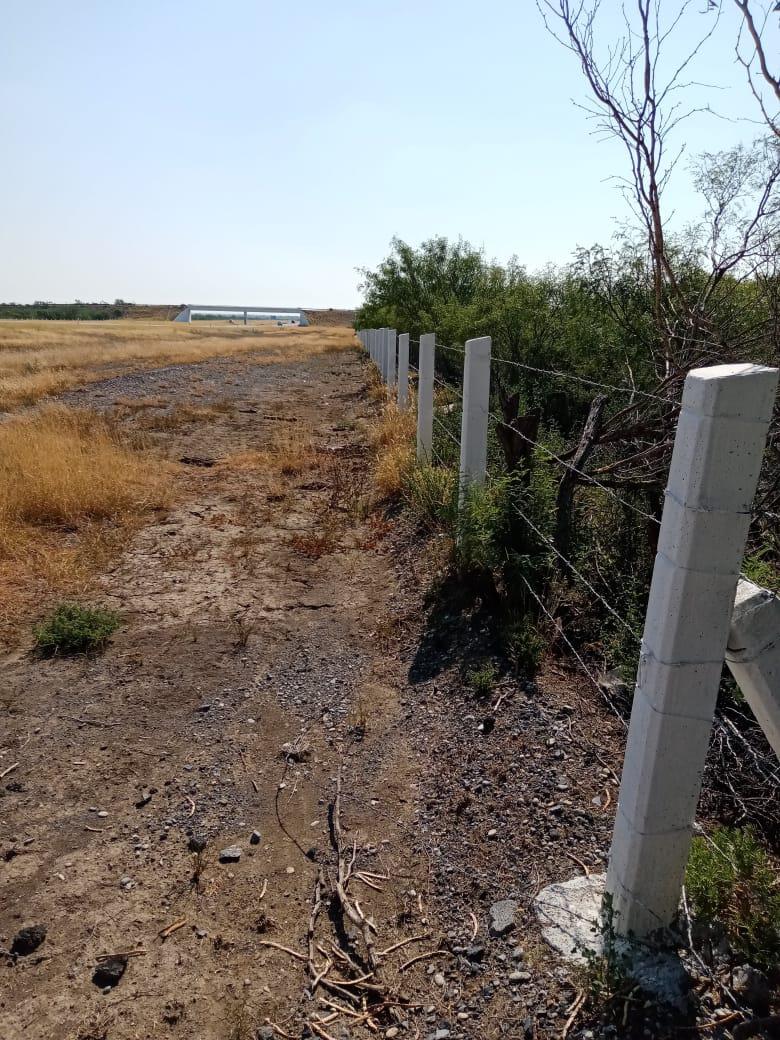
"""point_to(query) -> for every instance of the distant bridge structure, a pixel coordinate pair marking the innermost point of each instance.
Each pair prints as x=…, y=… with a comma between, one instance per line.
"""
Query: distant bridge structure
x=293, y=314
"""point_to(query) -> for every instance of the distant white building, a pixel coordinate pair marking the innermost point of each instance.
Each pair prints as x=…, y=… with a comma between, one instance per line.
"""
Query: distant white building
x=294, y=315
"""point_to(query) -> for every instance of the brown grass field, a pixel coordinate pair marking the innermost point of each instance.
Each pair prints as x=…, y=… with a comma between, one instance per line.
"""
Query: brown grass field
x=74, y=483
x=41, y=358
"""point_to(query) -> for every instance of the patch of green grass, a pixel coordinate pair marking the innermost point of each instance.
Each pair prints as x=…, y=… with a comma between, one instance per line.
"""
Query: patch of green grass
x=483, y=679
x=731, y=881
x=431, y=493
x=761, y=571
x=73, y=628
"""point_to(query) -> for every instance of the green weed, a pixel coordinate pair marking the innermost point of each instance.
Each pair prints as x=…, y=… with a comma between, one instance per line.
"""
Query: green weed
x=73, y=629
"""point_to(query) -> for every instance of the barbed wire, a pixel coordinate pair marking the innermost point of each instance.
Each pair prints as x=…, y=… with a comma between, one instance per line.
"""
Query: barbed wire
x=565, y=638
x=447, y=433
x=577, y=573
x=575, y=469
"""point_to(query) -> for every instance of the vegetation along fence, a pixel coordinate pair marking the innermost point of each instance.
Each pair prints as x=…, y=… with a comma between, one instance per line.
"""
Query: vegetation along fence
x=718, y=447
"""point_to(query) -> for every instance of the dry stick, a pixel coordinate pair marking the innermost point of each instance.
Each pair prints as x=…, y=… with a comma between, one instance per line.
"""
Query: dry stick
x=284, y=949
x=342, y=880
x=423, y=957
x=578, y=862
x=315, y=911
x=126, y=953
x=10, y=769
x=264, y=889
x=475, y=924
x=575, y=1010
x=320, y=1031
x=403, y=942
x=172, y=928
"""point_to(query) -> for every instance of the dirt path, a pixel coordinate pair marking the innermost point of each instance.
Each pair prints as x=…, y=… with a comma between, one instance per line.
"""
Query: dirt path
x=267, y=609
x=251, y=616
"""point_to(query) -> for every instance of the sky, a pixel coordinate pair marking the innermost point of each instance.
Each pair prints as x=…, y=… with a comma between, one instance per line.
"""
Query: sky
x=254, y=152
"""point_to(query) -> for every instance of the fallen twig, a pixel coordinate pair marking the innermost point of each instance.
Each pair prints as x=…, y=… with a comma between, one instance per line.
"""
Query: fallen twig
x=578, y=861
x=423, y=957
x=284, y=949
x=475, y=925
x=172, y=928
x=403, y=942
x=9, y=769
x=579, y=1000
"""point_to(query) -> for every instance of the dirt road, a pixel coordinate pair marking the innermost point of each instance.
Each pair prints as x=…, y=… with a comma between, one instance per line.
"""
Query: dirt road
x=274, y=638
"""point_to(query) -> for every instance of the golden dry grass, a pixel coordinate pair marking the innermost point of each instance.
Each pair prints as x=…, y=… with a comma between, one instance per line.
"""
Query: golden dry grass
x=290, y=452
x=70, y=489
x=40, y=358
x=393, y=442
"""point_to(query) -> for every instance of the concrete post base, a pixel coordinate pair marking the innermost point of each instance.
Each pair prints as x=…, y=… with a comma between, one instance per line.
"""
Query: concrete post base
x=570, y=915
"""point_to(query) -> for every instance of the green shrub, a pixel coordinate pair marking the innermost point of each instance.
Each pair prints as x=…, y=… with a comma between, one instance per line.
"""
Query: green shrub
x=761, y=571
x=522, y=642
x=431, y=493
x=73, y=629
x=730, y=880
x=482, y=679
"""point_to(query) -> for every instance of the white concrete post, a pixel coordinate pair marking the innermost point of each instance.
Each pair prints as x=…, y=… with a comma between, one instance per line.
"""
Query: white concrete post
x=383, y=354
x=715, y=463
x=392, y=357
x=403, y=371
x=476, y=409
x=753, y=655
x=425, y=397
x=372, y=344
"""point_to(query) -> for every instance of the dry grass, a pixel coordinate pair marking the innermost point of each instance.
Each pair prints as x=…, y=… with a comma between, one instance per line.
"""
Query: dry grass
x=39, y=358
x=393, y=443
x=291, y=452
x=70, y=489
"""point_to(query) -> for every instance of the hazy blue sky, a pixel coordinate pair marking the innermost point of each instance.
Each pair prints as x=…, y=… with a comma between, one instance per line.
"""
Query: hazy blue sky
x=258, y=152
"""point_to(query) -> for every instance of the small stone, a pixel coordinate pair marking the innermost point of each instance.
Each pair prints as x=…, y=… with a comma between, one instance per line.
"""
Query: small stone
x=232, y=854
x=391, y=1032
x=439, y=979
x=27, y=940
x=492, y=834
x=518, y=953
x=197, y=843
x=502, y=916
x=289, y=870
x=475, y=953
x=201, y=933
x=108, y=973
x=752, y=985
x=102, y=814
x=255, y=838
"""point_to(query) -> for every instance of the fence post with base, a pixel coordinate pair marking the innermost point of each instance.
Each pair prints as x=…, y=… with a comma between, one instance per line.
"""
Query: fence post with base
x=476, y=412
x=391, y=358
x=716, y=459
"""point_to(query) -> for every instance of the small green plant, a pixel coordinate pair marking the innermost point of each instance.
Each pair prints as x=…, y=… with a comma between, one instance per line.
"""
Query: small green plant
x=483, y=679
x=731, y=881
x=73, y=628
x=431, y=493
x=522, y=642
x=761, y=571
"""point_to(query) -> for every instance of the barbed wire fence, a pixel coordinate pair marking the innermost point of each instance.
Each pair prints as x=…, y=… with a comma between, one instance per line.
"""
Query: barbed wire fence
x=744, y=772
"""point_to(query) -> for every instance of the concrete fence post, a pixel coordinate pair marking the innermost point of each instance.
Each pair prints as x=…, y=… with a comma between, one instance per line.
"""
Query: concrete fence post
x=714, y=470
x=403, y=371
x=383, y=353
x=392, y=358
x=476, y=409
x=753, y=655
x=425, y=397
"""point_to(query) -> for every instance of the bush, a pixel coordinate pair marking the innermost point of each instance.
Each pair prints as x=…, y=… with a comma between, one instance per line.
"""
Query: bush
x=73, y=629
x=483, y=679
x=730, y=880
x=432, y=494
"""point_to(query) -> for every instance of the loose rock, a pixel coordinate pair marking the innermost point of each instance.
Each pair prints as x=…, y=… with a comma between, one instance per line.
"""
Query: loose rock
x=232, y=854
x=502, y=916
x=27, y=940
x=109, y=972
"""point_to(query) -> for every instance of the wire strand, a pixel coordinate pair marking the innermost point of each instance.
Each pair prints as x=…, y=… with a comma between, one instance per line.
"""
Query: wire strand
x=447, y=433
x=564, y=637
x=574, y=469
x=576, y=572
